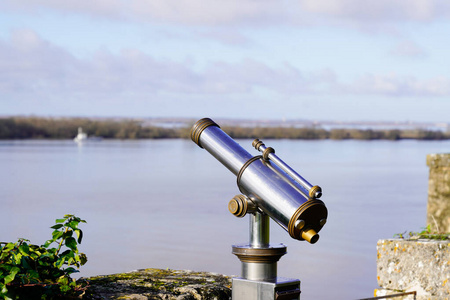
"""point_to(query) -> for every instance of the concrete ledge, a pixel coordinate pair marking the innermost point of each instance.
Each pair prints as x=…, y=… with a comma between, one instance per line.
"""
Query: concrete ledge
x=160, y=284
x=422, y=266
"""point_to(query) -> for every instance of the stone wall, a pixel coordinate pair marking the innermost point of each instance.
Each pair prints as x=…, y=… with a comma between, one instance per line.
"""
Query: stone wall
x=438, y=210
x=422, y=266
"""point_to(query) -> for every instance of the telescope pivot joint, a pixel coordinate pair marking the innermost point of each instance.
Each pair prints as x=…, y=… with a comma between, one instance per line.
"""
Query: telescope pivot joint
x=241, y=205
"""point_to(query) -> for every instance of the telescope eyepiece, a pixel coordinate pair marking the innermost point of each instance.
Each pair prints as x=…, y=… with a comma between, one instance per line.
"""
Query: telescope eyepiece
x=310, y=235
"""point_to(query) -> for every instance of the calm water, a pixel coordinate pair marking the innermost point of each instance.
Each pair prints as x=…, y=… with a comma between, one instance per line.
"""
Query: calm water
x=163, y=204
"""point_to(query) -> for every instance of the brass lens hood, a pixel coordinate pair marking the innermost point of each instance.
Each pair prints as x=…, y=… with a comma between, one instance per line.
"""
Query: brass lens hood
x=312, y=212
x=198, y=128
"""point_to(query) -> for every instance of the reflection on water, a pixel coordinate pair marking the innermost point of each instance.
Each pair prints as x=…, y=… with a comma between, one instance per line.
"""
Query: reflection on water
x=163, y=204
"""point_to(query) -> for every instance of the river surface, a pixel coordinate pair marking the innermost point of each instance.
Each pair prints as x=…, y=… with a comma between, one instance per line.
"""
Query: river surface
x=163, y=204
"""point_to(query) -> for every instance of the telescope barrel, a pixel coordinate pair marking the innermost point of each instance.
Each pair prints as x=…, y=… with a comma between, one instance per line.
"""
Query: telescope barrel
x=219, y=144
x=274, y=192
x=269, y=153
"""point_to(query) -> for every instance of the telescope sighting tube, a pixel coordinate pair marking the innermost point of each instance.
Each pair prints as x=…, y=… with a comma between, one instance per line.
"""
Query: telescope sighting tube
x=269, y=153
x=266, y=184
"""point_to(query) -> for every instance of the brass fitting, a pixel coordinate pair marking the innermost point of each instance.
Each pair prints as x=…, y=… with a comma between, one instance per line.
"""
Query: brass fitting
x=240, y=205
x=315, y=192
x=248, y=254
x=266, y=153
x=308, y=220
x=310, y=235
x=198, y=128
x=299, y=224
x=257, y=143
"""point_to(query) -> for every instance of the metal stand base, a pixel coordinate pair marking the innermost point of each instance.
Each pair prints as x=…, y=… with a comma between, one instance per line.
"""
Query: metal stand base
x=259, y=280
x=279, y=289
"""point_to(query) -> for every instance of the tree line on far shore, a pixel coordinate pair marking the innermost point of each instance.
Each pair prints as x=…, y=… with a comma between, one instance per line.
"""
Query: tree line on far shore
x=67, y=128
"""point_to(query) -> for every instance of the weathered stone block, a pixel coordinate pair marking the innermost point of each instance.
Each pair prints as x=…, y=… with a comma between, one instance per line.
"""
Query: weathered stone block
x=422, y=266
x=160, y=284
x=438, y=209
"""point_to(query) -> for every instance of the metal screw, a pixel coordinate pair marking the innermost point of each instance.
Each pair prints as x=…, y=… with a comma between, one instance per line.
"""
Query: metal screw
x=299, y=224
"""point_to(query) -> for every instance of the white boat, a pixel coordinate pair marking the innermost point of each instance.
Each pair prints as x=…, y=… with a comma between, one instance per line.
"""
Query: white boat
x=81, y=136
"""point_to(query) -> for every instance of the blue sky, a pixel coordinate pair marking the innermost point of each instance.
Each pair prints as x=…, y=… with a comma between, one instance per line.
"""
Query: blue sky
x=344, y=60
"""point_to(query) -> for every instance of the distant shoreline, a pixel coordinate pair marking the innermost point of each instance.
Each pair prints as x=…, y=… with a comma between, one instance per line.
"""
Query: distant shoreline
x=66, y=128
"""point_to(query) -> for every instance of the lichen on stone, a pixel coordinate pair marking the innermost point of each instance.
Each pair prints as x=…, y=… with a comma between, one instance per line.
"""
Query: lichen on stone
x=159, y=284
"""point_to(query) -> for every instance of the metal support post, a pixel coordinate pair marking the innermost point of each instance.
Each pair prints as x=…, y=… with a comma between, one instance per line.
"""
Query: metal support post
x=259, y=259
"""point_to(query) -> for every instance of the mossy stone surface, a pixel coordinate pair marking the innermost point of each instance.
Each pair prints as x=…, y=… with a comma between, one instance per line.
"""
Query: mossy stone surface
x=160, y=284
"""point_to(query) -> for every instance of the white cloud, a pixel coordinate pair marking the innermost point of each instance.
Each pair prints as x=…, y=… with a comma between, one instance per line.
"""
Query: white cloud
x=404, y=86
x=380, y=10
x=408, y=49
x=31, y=66
x=238, y=12
x=226, y=37
x=196, y=12
x=28, y=63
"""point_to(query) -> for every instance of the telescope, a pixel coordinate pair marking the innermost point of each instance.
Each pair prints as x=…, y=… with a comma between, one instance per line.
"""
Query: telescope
x=270, y=189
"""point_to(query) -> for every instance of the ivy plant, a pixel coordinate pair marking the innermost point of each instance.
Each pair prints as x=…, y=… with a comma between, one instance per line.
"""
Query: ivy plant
x=426, y=233
x=26, y=267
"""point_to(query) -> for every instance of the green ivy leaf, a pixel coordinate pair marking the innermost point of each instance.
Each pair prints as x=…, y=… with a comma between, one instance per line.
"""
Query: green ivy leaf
x=17, y=258
x=47, y=243
x=80, y=235
x=57, y=226
x=25, y=264
x=67, y=234
x=63, y=280
x=49, y=253
x=60, y=262
x=34, y=275
x=83, y=258
x=3, y=291
x=24, y=249
x=8, y=247
x=3, y=255
x=57, y=234
x=73, y=224
x=36, y=249
x=60, y=220
x=71, y=243
x=12, y=275
x=71, y=270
